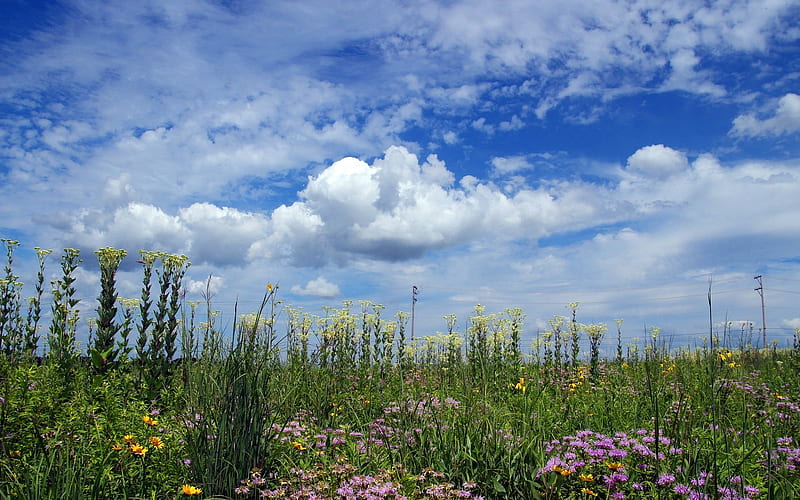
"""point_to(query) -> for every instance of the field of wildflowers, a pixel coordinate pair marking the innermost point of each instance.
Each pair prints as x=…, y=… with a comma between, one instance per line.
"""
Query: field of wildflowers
x=163, y=404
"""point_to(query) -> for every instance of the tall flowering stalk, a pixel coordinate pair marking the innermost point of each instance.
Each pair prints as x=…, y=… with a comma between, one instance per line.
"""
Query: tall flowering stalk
x=65, y=314
x=177, y=266
x=103, y=351
x=35, y=306
x=516, y=320
x=574, y=333
x=9, y=298
x=595, y=334
x=147, y=260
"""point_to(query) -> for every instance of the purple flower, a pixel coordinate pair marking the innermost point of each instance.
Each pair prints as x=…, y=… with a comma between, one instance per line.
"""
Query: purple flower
x=665, y=480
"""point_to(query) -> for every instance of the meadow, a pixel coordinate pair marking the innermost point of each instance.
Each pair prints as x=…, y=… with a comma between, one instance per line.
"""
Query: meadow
x=162, y=402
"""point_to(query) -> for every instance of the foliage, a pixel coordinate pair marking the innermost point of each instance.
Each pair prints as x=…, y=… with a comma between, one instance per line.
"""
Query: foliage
x=345, y=406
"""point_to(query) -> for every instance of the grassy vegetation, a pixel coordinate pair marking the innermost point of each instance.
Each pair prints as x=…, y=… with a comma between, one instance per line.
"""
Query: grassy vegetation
x=162, y=404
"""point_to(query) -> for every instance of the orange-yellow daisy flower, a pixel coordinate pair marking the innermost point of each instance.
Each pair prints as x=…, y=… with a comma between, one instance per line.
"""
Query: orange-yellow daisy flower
x=188, y=489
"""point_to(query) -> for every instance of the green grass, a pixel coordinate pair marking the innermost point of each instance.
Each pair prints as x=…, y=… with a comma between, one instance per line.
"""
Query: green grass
x=729, y=414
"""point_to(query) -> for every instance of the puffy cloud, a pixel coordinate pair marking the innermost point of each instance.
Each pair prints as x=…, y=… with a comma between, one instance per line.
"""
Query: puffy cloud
x=134, y=226
x=319, y=287
x=398, y=208
x=657, y=161
x=208, y=233
x=786, y=120
x=220, y=234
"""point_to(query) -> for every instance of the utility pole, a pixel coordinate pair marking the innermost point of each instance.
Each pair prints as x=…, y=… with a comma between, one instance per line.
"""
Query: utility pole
x=414, y=291
x=760, y=290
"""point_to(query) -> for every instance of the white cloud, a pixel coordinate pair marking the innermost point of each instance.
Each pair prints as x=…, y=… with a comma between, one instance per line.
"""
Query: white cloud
x=785, y=120
x=510, y=164
x=514, y=124
x=220, y=234
x=210, y=286
x=319, y=287
x=450, y=137
x=657, y=161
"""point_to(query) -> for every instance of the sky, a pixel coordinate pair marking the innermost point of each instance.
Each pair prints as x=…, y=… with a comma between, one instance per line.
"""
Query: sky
x=625, y=155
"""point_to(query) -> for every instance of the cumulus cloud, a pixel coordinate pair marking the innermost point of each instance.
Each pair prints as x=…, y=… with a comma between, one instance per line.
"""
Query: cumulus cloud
x=657, y=161
x=398, y=209
x=318, y=287
x=209, y=233
x=785, y=120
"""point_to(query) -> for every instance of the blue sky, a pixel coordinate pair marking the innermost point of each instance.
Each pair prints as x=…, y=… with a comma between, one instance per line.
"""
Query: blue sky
x=515, y=154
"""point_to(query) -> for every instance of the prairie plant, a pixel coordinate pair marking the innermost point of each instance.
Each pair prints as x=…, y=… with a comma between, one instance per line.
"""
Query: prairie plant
x=237, y=403
x=516, y=319
x=574, y=333
x=595, y=334
x=478, y=333
x=129, y=307
x=9, y=302
x=61, y=338
x=299, y=330
x=103, y=352
x=147, y=260
x=35, y=306
x=555, y=325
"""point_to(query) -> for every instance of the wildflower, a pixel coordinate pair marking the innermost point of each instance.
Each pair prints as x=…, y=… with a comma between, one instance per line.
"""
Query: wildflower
x=127, y=438
x=752, y=490
x=147, y=419
x=298, y=445
x=138, y=449
x=116, y=447
x=188, y=489
x=520, y=386
x=586, y=477
x=614, y=465
x=589, y=492
x=562, y=470
x=156, y=442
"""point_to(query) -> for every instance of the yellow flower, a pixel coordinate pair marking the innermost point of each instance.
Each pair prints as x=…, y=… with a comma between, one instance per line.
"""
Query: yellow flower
x=188, y=489
x=588, y=492
x=520, y=385
x=156, y=442
x=128, y=438
x=562, y=471
x=298, y=445
x=586, y=477
x=138, y=449
x=116, y=447
x=147, y=419
x=614, y=465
